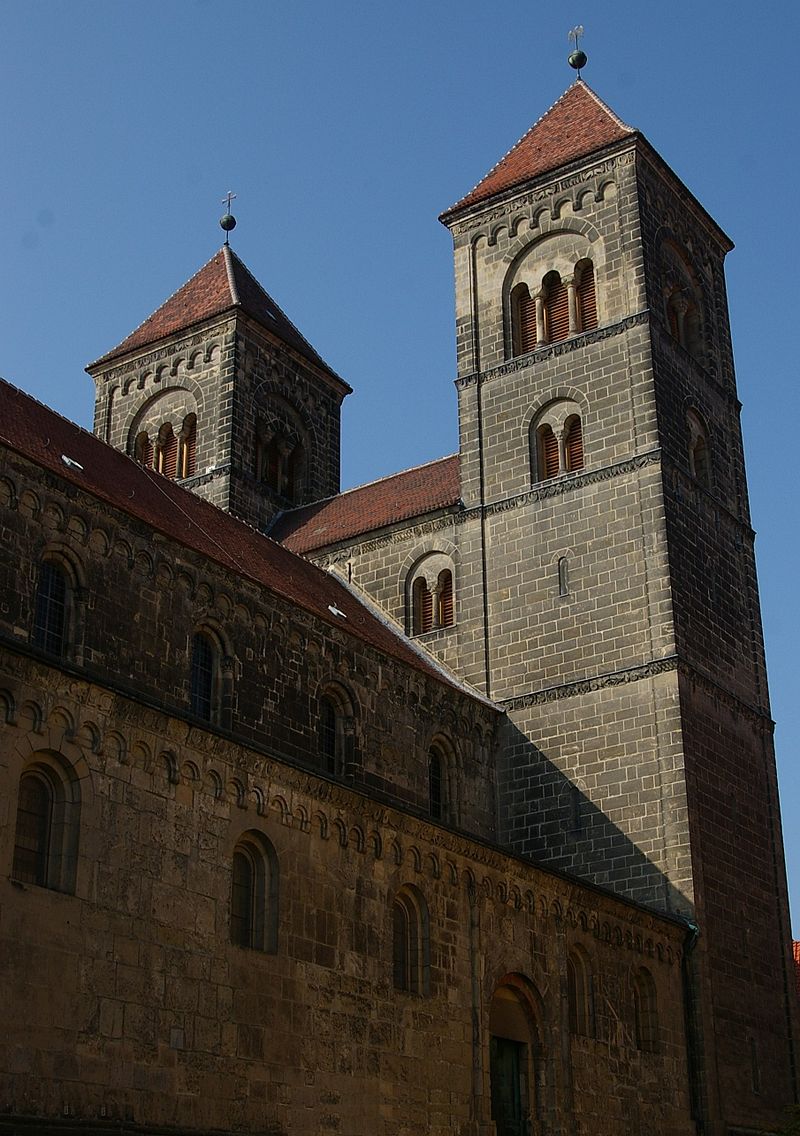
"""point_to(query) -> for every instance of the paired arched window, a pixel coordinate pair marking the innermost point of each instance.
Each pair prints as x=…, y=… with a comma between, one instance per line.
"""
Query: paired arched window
x=555, y=309
x=557, y=441
x=281, y=455
x=699, y=454
x=682, y=299
x=51, y=609
x=254, y=894
x=645, y=1010
x=170, y=454
x=410, y=942
x=47, y=824
x=431, y=594
x=579, y=995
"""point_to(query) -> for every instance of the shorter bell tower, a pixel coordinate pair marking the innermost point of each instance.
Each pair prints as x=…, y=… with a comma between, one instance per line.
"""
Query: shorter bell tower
x=219, y=390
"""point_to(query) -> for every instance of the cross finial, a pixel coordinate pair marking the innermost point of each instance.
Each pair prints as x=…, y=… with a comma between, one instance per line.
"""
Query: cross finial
x=228, y=222
x=577, y=58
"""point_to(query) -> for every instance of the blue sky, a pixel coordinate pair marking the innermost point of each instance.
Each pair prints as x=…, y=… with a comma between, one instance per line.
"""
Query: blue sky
x=345, y=128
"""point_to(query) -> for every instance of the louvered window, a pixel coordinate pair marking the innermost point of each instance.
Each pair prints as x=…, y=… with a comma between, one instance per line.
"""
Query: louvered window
x=446, y=612
x=189, y=446
x=587, y=299
x=272, y=465
x=167, y=452
x=556, y=310
x=573, y=444
x=144, y=450
x=524, y=316
x=423, y=606
x=548, y=453
x=294, y=474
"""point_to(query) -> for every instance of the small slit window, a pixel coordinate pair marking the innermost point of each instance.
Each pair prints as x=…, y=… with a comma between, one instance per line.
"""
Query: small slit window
x=645, y=1011
x=579, y=995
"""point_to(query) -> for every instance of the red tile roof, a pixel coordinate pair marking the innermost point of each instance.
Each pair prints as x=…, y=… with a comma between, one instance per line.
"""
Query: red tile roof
x=221, y=285
x=409, y=494
x=577, y=125
x=47, y=439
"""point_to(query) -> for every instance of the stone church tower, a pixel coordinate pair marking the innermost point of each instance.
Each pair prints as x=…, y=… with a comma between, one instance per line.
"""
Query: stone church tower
x=220, y=390
x=614, y=595
x=586, y=560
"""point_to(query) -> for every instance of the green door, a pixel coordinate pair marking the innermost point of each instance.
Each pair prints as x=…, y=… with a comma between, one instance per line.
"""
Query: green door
x=507, y=1068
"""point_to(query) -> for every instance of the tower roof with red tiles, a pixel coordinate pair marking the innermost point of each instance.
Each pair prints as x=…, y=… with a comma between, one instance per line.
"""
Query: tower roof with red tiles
x=574, y=127
x=223, y=284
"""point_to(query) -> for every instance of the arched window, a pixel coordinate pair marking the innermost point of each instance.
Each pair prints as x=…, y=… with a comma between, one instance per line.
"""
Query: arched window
x=579, y=995
x=699, y=456
x=143, y=450
x=336, y=737
x=46, y=834
x=436, y=783
x=573, y=444
x=556, y=441
x=645, y=1010
x=586, y=298
x=423, y=606
x=410, y=942
x=523, y=319
x=295, y=473
x=205, y=677
x=548, y=453
x=556, y=308
x=51, y=609
x=167, y=451
x=254, y=894
x=188, y=446
x=445, y=614
x=330, y=739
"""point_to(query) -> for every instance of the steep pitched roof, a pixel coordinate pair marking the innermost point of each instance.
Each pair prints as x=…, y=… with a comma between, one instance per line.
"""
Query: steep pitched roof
x=221, y=285
x=577, y=125
x=76, y=456
x=396, y=498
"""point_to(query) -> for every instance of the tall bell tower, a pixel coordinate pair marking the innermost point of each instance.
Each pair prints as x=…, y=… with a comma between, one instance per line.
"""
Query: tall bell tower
x=614, y=596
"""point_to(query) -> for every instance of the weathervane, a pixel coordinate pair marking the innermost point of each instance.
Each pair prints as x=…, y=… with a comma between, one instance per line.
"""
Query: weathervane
x=577, y=58
x=228, y=222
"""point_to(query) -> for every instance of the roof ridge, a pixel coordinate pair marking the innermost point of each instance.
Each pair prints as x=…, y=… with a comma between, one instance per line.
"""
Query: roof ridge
x=577, y=85
x=228, y=254
x=604, y=106
x=500, y=161
x=163, y=304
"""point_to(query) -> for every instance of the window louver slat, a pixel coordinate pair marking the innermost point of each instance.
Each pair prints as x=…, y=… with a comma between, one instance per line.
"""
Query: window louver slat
x=446, y=601
x=574, y=446
x=557, y=312
x=527, y=316
x=587, y=300
x=549, y=444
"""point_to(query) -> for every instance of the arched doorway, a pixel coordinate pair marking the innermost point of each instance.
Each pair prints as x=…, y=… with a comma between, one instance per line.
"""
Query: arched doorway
x=512, y=1049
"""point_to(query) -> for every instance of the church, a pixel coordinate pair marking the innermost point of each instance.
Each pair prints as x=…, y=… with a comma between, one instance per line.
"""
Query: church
x=446, y=804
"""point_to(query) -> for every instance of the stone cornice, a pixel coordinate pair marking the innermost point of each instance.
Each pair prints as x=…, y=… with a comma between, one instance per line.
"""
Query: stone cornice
x=552, y=350
x=635, y=674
